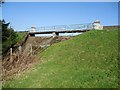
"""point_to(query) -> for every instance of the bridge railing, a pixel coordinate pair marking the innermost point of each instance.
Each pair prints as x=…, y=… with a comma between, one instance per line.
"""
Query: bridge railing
x=65, y=27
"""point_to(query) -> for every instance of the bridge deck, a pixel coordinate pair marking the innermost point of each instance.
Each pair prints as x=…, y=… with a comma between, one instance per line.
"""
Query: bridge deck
x=65, y=31
x=55, y=30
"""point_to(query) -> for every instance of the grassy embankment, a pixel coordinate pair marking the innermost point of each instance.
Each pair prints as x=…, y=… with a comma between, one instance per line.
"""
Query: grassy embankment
x=20, y=36
x=85, y=61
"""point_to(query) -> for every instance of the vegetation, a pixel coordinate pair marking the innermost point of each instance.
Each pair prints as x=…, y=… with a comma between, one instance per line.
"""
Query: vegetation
x=9, y=36
x=20, y=37
x=85, y=61
x=0, y=39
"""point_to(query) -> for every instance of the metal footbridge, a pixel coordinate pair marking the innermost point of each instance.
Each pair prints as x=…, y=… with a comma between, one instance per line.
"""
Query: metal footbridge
x=55, y=30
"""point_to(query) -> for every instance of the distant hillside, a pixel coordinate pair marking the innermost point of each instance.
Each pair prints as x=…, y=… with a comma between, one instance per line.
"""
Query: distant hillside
x=85, y=61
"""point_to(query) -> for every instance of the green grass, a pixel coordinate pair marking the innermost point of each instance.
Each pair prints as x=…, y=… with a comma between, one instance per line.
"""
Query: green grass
x=20, y=36
x=85, y=61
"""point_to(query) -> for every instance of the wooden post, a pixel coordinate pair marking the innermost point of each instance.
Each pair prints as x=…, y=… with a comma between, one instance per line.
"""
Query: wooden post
x=31, y=49
x=20, y=49
x=10, y=53
x=18, y=57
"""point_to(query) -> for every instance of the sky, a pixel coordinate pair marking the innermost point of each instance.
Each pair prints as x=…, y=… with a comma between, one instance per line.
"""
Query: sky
x=61, y=0
x=23, y=15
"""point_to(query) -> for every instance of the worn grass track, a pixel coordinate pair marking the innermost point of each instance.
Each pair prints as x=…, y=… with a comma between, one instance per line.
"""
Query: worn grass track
x=85, y=61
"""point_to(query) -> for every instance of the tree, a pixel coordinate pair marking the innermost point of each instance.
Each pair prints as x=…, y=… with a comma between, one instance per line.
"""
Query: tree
x=9, y=37
x=0, y=31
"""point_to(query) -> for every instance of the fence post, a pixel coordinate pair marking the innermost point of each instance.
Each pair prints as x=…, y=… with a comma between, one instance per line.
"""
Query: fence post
x=18, y=56
x=10, y=53
x=20, y=49
x=31, y=49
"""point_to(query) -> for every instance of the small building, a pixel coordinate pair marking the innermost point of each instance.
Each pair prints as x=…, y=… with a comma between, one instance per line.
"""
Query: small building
x=97, y=26
x=33, y=29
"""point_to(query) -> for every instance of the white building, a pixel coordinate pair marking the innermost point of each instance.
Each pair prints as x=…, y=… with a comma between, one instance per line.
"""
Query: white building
x=97, y=26
x=33, y=29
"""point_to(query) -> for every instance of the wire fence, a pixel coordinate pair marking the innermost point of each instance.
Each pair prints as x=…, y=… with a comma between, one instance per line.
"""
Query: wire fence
x=18, y=60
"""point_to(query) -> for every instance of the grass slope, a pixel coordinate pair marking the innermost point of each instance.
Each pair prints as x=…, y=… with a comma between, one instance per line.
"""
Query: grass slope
x=20, y=36
x=85, y=61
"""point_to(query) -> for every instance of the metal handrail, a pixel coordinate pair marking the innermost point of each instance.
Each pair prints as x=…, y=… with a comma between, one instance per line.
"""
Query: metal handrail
x=64, y=27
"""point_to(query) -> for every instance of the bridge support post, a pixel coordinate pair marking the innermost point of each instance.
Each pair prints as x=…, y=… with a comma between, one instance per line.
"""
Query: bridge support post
x=55, y=34
x=32, y=35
